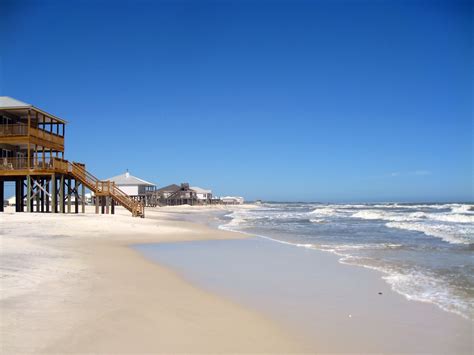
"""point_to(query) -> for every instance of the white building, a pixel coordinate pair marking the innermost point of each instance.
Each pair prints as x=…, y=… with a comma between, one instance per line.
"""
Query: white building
x=132, y=185
x=11, y=201
x=202, y=194
x=232, y=200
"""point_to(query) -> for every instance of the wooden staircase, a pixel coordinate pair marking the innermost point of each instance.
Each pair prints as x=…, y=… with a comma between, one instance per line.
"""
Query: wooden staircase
x=103, y=188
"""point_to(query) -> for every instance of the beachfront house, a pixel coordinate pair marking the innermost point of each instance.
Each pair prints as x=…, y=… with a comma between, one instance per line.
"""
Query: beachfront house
x=203, y=196
x=32, y=155
x=136, y=188
x=173, y=195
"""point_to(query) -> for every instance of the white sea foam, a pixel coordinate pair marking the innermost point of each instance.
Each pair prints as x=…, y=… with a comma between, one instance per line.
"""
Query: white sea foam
x=317, y=220
x=454, y=218
x=467, y=209
x=450, y=234
x=384, y=215
x=415, y=216
x=423, y=287
x=417, y=285
x=413, y=284
x=324, y=211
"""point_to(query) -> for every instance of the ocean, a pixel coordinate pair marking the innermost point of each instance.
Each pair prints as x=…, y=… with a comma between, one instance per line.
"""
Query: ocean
x=423, y=251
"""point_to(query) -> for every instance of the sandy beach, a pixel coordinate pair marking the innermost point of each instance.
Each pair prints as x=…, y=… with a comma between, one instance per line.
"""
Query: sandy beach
x=79, y=284
x=71, y=284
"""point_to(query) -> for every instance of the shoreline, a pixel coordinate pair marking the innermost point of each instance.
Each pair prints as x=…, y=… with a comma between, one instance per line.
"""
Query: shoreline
x=386, y=314
x=91, y=292
x=113, y=298
x=401, y=280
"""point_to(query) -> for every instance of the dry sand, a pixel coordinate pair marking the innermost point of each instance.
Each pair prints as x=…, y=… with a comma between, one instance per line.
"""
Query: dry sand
x=71, y=284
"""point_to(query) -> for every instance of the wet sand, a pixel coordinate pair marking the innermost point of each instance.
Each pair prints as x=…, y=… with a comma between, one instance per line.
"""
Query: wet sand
x=338, y=308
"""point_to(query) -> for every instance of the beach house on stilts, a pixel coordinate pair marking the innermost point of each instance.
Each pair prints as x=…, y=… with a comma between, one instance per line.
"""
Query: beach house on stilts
x=32, y=156
x=138, y=189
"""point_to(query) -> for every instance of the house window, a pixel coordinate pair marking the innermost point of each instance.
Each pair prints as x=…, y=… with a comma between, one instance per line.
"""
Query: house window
x=6, y=153
x=5, y=120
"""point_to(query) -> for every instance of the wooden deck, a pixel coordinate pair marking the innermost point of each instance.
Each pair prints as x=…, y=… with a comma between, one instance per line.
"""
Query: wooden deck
x=32, y=155
x=11, y=168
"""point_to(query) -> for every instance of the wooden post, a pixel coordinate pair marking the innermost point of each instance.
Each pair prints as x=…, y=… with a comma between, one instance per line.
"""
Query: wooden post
x=28, y=193
x=83, y=194
x=112, y=206
x=18, y=194
x=47, y=197
x=69, y=197
x=54, y=195
x=107, y=204
x=38, y=195
x=102, y=204
x=2, y=195
x=96, y=204
x=76, y=197
x=61, y=194
x=29, y=124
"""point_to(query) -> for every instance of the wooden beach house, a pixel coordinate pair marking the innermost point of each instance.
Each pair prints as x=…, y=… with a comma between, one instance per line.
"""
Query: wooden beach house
x=173, y=195
x=32, y=155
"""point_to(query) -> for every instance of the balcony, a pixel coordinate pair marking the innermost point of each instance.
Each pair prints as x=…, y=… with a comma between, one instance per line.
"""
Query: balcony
x=10, y=164
x=39, y=136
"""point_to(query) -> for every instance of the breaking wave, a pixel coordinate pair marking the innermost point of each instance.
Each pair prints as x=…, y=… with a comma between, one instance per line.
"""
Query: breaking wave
x=450, y=234
x=358, y=234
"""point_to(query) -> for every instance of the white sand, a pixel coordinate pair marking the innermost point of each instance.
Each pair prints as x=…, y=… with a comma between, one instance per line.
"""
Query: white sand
x=70, y=284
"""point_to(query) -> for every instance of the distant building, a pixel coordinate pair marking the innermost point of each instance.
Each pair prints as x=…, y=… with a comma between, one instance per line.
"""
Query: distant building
x=232, y=200
x=173, y=195
x=11, y=201
x=136, y=188
x=165, y=192
x=204, y=196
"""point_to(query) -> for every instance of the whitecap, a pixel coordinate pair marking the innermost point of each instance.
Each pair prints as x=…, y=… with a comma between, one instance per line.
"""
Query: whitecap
x=450, y=234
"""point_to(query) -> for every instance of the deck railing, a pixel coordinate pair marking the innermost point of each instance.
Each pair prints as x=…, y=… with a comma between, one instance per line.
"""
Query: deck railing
x=13, y=130
x=77, y=170
x=47, y=136
x=105, y=188
x=20, y=129
x=13, y=163
x=35, y=163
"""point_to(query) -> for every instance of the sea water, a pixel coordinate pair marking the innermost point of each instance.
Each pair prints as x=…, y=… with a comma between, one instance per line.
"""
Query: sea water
x=424, y=251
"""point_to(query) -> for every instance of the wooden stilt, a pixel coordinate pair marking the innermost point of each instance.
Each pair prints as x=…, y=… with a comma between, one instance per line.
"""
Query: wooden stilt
x=54, y=195
x=76, y=197
x=2, y=195
x=47, y=197
x=107, y=204
x=61, y=193
x=83, y=199
x=42, y=194
x=69, y=195
x=28, y=193
x=38, y=194
x=97, y=200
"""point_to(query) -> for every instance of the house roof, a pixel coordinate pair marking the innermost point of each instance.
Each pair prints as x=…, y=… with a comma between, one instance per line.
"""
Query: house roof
x=127, y=179
x=200, y=190
x=9, y=103
x=169, y=188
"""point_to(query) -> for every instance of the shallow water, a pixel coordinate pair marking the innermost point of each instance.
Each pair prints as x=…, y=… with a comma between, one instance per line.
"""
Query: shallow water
x=338, y=308
x=424, y=251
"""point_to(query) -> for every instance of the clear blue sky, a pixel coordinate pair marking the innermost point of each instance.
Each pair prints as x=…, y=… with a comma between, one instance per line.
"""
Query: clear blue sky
x=278, y=100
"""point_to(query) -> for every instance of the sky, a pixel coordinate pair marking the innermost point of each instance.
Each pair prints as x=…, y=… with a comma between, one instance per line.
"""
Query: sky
x=325, y=101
